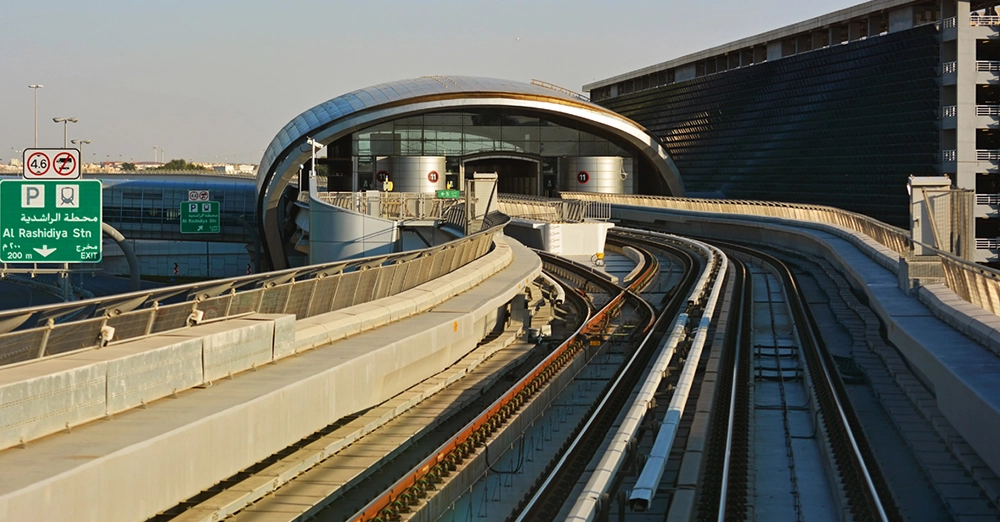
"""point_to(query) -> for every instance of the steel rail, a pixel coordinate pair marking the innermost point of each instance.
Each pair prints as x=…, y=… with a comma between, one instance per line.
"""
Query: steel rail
x=861, y=485
x=652, y=472
x=547, y=501
x=406, y=491
x=589, y=503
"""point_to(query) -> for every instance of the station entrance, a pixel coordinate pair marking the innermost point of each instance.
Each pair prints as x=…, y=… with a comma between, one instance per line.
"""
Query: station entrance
x=514, y=175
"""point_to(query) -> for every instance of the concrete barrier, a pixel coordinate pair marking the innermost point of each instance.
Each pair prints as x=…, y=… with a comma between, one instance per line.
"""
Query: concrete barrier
x=38, y=400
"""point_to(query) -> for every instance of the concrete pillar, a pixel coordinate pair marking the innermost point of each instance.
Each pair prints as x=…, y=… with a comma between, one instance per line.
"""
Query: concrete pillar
x=965, y=99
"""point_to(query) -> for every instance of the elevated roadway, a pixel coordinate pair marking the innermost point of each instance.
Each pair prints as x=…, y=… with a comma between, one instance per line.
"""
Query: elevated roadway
x=106, y=430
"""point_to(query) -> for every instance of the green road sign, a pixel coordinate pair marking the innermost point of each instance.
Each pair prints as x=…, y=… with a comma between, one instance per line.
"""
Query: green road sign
x=449, y=194
x=200, y=217
x=50, y=221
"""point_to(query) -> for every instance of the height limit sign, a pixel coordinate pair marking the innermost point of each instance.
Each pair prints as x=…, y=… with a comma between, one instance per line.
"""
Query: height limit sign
x=51, y=164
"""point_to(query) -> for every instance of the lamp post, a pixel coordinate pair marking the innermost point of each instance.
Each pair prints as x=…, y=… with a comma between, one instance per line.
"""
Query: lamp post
x=35, y=88
x=65, y=122
x=81, y=143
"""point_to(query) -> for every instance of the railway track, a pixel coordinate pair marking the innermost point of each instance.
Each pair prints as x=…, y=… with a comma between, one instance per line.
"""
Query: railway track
x=617, y=365
x=728, y=476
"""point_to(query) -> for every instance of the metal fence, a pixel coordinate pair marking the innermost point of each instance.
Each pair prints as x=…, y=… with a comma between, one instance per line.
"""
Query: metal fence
x=974, y=283
x=31, y=333
x=399, y=206
x=553, y=210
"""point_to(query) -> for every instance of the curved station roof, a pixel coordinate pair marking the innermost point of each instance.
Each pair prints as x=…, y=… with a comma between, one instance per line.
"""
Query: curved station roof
x=355, y=111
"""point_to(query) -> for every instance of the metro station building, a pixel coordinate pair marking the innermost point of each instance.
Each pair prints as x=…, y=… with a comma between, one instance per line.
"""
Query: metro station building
x=431, y=133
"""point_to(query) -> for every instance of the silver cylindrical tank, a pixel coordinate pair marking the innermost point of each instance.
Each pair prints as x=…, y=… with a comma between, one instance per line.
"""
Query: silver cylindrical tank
x=591, y=174
x=414, y=173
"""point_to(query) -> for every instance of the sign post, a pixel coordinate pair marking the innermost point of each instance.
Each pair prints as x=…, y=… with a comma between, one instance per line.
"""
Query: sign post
x=50, y=221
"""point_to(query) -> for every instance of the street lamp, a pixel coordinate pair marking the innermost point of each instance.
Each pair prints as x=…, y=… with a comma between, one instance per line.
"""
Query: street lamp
x=35, y=88
x=65, y=122
x=81, y=143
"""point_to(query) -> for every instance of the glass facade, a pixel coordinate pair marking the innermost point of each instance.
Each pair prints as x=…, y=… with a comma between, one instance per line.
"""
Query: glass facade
x=464, y=133
x=843, y=126
x=150, y=208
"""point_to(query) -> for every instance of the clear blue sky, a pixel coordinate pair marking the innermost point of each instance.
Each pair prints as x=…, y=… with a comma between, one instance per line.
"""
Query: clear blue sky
x=214, y=80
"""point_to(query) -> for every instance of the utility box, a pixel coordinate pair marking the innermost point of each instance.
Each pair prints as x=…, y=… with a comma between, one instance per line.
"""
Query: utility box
x=941, y=217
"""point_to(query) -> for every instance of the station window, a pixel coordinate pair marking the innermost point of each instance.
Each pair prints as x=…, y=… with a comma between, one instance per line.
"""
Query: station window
x=988, y=183
x=986, y=227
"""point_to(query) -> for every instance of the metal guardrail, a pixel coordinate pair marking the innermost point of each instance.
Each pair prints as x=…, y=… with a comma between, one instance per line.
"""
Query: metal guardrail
x=974, y=283
x=987, y=155
x=949, y=68
x=949, y=111
x=988, y=199
x=949, y=155
x=949, y=23
x=987, y=65
x=400, y=206
x=988, y=21
x=553, y=210
x=31, y=333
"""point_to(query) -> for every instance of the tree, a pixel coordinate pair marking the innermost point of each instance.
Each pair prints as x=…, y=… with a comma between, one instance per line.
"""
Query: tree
x=180, y=164
x=128, y=166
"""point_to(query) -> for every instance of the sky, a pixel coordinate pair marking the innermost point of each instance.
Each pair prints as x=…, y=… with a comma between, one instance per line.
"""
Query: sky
x=215, y=80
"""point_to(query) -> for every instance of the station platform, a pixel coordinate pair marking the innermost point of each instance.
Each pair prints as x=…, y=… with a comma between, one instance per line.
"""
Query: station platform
x=136, y=463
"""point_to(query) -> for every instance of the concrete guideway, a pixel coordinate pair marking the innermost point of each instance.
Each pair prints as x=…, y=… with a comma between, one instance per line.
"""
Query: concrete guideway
x=146, y=460
x=960, y=371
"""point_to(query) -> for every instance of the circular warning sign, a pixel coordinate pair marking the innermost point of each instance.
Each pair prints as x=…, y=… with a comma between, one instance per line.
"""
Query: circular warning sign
x=432, y=176
x=192, y=195
x=64, y=164
x=382, y=176
x=38, y=163
x=583, y=176
x=203, y=195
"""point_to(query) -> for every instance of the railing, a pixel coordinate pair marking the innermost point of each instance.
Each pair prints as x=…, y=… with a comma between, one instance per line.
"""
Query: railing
x=949, y=155
x=988, y=199
x=552, y=210
x=987, y=243
x=950, y=23
x=974, y=283
x=987, y=154
x=557, y=88
x=987, y=110
x=987, y=65
x=949, y=67
x=949, y=111
x=989, y=21
x=31, y=333
x=400, y=206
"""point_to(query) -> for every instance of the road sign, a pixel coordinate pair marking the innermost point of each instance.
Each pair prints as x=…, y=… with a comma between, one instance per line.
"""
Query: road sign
x=583, y=176
x=50, y=221
x=448, y=194
x=200, y=217
x=51, y=164
x=197, y=195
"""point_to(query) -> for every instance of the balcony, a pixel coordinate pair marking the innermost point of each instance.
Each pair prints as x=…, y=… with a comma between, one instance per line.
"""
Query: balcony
x=981, y=21
x=987, y=155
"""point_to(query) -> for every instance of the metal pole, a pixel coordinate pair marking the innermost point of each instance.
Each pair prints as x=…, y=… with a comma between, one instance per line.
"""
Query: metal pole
x=35, y=88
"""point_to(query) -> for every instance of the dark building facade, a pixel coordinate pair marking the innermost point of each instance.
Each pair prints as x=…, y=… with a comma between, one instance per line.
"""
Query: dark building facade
x=844, y=125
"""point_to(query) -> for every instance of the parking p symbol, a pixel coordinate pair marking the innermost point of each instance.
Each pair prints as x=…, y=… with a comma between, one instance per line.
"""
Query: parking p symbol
x=32, y=196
